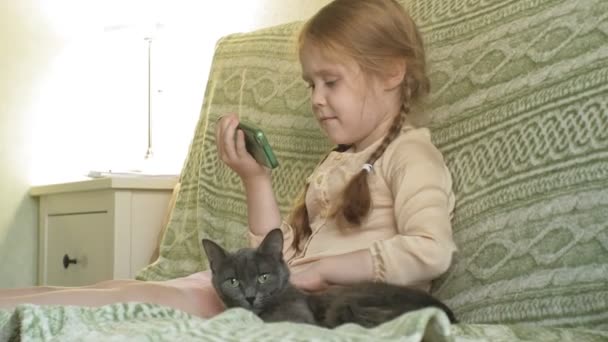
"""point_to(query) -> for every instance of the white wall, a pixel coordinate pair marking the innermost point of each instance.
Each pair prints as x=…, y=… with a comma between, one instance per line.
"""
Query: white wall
x=73, y=93
x=98, y=82
x=26, y=50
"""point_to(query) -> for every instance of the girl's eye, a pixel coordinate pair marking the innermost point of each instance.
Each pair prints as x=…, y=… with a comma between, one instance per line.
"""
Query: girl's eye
x=232, y=282
x=330, y=83
x=310, y=85
x=263, y=278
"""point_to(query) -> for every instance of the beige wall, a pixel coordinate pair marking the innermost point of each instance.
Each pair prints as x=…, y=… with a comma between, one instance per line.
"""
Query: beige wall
x=25, y=49
x=54, y=117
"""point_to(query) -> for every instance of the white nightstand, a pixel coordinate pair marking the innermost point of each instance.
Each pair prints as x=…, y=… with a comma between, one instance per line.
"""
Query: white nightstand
x=99, y=229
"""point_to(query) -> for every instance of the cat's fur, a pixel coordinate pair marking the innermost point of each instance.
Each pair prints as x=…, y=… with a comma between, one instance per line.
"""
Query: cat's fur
x=258, y=280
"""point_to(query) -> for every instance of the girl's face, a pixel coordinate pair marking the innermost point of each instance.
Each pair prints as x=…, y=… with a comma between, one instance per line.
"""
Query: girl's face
x=352, y=108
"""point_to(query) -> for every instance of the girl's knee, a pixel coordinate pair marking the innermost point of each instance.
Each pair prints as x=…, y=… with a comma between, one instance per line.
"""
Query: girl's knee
x=112, y=284
x=209, y=302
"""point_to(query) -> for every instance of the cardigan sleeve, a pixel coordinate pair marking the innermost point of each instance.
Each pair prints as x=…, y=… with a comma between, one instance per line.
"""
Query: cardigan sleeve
x=423, y=202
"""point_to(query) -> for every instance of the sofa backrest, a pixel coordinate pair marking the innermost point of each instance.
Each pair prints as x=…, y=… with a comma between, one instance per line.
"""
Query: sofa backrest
x=519, y=104
x=520, y=99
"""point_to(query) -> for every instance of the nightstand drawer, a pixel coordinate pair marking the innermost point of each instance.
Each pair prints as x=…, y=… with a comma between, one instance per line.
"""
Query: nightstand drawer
x=85, y=241
x=108, y=226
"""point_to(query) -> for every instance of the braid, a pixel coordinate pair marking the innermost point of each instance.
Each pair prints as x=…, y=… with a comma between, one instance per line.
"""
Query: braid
x=409, y=86
x=356, y=198
x=299, y=221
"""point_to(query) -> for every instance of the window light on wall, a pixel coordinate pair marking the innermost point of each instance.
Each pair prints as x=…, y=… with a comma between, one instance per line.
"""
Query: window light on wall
x=92, y=108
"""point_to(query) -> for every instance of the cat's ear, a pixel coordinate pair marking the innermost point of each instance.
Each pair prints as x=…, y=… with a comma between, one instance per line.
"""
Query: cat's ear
x=215, y=253
x=272, y=243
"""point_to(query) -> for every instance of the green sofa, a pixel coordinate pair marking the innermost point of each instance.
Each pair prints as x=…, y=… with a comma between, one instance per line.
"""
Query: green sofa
x=520, y=112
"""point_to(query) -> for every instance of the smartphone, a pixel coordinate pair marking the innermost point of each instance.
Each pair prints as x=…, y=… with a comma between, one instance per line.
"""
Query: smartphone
x=257, y=145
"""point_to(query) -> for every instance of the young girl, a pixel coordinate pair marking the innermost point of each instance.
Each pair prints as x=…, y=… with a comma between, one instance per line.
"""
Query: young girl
x=378, y=206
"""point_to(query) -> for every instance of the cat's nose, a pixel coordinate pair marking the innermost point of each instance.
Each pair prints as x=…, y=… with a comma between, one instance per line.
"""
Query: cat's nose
x=250, y=300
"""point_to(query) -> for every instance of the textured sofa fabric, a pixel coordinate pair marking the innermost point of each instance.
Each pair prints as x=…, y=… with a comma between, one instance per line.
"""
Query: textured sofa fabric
x=519, y=108
x=520, y=101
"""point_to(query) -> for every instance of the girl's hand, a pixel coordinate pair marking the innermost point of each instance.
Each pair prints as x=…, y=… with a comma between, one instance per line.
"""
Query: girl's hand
x=311, y=279
x=231, y=149
x=343, y=269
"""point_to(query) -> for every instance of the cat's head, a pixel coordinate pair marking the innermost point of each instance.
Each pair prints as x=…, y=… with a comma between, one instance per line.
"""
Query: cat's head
x=249, y=277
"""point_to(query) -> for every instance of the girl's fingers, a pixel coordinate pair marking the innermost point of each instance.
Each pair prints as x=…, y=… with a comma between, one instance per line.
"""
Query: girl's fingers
x=220, y=134
x=228, y=136
x=241, y=150
x=231, y=146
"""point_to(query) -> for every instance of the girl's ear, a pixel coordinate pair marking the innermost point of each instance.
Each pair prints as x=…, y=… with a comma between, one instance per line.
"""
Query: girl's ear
x=215, y=254
x=396, y=74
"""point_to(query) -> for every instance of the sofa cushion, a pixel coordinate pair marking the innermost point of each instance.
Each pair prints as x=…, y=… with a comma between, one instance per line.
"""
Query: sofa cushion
x=520, y=106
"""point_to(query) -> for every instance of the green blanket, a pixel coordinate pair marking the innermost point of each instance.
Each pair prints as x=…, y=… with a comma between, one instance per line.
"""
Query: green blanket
x=136, y=321
x=146, y=322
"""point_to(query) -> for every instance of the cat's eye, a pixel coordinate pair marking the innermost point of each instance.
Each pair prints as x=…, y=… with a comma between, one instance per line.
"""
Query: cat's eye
x=232, y=282
x=262, y=278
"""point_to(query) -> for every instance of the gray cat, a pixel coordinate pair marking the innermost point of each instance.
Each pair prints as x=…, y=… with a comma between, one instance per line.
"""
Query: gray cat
x=258, y=280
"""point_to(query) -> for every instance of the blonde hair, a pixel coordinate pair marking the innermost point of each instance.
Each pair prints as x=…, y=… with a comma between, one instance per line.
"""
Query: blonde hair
x=374, y=34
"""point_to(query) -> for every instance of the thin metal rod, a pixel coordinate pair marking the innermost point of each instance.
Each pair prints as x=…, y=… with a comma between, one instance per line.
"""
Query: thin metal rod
x=149, y=151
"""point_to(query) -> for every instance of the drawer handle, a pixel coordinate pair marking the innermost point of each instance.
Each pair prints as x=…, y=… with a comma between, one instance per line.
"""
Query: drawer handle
x=67, y=261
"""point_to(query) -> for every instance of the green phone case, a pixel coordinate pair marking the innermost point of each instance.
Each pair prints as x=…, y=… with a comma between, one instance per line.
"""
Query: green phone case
x=257, y=145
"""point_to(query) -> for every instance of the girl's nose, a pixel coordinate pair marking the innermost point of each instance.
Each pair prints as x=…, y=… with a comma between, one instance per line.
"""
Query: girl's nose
x=317, y=97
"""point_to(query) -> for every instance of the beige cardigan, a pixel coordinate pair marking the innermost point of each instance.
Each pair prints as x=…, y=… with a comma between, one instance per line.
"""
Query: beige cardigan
x=408, y=230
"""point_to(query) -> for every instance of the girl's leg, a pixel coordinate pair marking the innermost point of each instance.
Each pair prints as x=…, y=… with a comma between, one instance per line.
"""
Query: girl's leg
x=69, y=296
x=26, y=291
x=197, y=298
